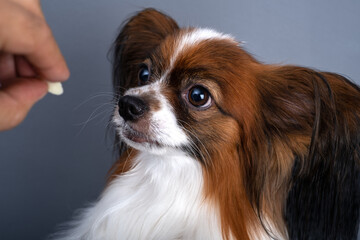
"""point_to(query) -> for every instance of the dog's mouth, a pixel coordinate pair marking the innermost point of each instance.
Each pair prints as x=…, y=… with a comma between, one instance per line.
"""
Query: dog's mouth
x=137, y=136
x=156, y=132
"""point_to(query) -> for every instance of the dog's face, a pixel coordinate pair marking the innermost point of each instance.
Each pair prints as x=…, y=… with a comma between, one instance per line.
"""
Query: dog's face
x=256, y=128
x=180, y=96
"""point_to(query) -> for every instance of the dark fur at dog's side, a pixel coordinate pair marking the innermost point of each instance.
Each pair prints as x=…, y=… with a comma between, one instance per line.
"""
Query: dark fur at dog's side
x=323, y=201
x=300, y=154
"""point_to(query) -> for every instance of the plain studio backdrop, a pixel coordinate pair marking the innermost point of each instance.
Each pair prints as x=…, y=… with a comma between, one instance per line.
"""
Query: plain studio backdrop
x=57, y=160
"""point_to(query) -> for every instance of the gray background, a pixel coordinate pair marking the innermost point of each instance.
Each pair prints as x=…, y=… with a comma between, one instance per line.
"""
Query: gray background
x=57, y=160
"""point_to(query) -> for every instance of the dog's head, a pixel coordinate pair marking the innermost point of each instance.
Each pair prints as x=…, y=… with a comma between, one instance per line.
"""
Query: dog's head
x=177, y=88
x=257, y=129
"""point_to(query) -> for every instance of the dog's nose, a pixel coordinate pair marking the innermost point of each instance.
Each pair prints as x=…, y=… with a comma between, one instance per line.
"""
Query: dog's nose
x=132, y=108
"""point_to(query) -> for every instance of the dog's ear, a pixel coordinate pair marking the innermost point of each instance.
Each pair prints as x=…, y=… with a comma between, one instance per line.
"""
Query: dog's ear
x=326, y=185
x=138, y=38
x=302, y=155
x=323, y=198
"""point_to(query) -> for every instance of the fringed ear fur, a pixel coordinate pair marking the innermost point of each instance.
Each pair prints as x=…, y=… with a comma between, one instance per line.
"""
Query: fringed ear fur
x=139, y=36
x=324, y=198
x=301, y=159
x=317, y=117
x=135, y=42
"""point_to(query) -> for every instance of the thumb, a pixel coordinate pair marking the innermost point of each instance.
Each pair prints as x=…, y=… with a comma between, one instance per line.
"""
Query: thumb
x=17, y=99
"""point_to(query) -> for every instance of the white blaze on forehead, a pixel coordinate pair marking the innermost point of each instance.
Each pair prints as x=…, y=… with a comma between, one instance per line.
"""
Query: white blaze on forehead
x=195, y=37
x=164, y=126
x=190, y=39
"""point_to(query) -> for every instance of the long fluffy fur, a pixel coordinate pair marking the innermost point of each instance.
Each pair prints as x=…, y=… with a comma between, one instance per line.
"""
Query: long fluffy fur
x=298, y=150
x=279, y=154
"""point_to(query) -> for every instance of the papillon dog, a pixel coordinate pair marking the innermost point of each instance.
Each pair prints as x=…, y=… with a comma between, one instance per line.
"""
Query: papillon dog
x=216, y=145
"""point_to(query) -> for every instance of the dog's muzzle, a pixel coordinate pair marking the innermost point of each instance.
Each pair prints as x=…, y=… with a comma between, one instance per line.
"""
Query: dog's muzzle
x=132, y=108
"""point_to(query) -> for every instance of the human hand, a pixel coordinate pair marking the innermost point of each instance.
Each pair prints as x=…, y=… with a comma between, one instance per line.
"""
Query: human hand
x=29, y=56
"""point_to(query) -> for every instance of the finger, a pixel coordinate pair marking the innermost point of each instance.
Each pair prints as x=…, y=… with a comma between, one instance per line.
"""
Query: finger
x=16, y=100
x=48, y=60
x=7, y=67
x=32, y=5
x=27, y=33
x=23, y=67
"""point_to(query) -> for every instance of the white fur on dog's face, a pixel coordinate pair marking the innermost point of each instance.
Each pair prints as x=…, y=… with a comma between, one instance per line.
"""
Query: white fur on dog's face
x=163, y=131
x=160, y=129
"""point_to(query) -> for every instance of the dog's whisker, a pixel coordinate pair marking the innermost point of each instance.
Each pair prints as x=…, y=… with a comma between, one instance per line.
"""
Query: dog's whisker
x=101, y=94
x=94, y=115
x=226, y=147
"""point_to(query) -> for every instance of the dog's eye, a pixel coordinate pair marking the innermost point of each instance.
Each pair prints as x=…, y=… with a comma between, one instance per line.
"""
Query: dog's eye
x=144, y=74
x=199, y=97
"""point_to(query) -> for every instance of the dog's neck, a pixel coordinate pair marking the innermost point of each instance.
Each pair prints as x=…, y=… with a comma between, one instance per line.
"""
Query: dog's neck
x=160, y=197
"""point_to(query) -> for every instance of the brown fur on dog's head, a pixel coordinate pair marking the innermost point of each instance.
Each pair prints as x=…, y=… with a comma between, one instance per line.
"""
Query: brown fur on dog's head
x=279, y=144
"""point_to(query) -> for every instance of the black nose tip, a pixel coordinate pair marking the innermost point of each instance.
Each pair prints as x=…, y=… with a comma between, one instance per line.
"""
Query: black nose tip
x=132, y=108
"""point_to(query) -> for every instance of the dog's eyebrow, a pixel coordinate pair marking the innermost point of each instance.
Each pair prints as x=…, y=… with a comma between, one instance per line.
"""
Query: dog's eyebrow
x=194, y=72
x=147, y=62
x=197, y=69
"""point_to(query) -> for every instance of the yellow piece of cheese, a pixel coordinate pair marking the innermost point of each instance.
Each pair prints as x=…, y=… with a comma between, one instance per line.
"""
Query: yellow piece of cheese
x=55, y=88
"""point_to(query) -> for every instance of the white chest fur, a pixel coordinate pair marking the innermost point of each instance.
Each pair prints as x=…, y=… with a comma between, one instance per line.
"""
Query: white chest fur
x=160, y=198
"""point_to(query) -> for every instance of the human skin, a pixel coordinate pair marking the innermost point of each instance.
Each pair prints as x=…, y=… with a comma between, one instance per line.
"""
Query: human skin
x=29, y=56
